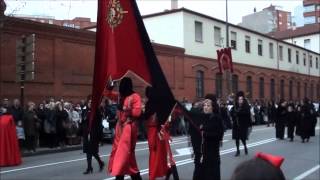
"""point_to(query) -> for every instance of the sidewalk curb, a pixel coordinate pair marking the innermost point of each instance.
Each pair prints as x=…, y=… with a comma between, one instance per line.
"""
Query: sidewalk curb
x=51, y=151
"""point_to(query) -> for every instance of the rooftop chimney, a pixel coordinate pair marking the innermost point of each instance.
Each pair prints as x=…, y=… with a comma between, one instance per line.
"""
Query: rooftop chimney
x=174, y=4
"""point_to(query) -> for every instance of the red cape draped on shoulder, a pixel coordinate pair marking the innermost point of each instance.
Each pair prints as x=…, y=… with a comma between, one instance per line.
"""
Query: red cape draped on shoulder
x=9, y=146
x=158, y=161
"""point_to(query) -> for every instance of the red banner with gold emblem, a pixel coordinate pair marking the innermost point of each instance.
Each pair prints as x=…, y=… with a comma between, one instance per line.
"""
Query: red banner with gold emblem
x=224, y=58
x=122, y=46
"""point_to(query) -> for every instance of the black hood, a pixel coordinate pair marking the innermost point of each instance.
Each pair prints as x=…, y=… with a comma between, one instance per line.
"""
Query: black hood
x=125, y=87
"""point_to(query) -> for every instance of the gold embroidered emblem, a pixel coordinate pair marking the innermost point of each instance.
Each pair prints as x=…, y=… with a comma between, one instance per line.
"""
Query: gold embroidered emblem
x=115, y=13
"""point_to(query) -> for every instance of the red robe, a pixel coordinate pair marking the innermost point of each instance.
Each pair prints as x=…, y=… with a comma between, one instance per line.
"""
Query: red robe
x=122, y=159
x=9, y=147
x=158, y=163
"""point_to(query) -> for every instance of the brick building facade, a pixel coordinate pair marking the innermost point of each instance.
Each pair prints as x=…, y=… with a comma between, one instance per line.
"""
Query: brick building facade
x=65, y=57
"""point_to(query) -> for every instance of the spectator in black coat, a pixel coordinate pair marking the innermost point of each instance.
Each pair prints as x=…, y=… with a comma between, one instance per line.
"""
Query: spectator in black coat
x=91, y=138
x=16, y=111
x=61, y=116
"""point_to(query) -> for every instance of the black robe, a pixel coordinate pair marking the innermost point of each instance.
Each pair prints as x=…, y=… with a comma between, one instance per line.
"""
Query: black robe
x=305, y=123
x=241, y=119
x=91, y=139
x=281, y=121
x=195, y=136
x=212, y=136
x=291, y=123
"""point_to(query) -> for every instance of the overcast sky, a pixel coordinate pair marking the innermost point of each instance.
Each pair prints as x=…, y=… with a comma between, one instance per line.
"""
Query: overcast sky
x=68, y=9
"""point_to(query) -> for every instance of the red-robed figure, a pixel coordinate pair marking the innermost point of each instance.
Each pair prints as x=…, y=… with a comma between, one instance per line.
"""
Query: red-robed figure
x=9, y=147
x=122, y=159
x=158, y=141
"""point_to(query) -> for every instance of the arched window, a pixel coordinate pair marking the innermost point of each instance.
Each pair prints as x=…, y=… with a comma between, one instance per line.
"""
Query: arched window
x=290, y=89
x=219, y=85
x=261, y=87
x=311, y=91
x=318, y=91
x=305, y=89
x=272, y=89
x=249, y=86
x=235, y=80
x=298, y=91
x=282, y=89
x=200, y=84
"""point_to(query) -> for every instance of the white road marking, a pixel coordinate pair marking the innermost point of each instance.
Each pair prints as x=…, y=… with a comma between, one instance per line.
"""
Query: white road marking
x=187, y=151
x=81, y=159
x=307, y=173
x=189, y=160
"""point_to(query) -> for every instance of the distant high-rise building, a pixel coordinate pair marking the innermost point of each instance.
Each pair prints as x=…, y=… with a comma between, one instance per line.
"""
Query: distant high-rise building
x=311, y=11
x=270, y=19
x=297, y=18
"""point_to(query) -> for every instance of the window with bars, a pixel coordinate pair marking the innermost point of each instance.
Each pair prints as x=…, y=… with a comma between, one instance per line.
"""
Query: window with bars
x=281, y=53
x=318, y=91
x=217, y=36
x=289, y=55
x=249, y=86
x=260, y=47
x=304, y=59
x=272, y=89
x=311, y=91
x=233, y=40
x=310, y=61
x=317, y=63
x=200, y=84
x=297, y=57
x=298, y=90
x=198, y=31
x=235, y=80
x=281, y=89
x=247, y=44
x=271, y=50
x=261, y=87
x=305, y=89
x=290, y=89
x=219, y=85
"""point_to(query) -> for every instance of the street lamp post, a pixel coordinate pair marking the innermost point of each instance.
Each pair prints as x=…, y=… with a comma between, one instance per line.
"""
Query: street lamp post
x=228, y=71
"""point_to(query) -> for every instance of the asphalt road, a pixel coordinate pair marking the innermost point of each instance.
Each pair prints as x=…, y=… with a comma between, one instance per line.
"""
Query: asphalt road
x=301, y=160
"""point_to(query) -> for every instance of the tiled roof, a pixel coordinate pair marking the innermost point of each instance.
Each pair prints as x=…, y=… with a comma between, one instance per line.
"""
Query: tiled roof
x=299, y=31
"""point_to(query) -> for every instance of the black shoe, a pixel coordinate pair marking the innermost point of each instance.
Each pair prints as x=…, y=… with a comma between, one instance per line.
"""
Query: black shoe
x=119, y=177
x=246, y=151
x=169, y=172
x=291, y=140
x=175, y=172
x=237, y=154
x=88, y=171
x=136, y=176
x=302, y=141
x=307, y=140
x=101, y=165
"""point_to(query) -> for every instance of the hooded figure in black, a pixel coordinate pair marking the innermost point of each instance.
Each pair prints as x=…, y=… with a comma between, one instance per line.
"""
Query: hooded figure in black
x=291, y=121
x=241, y=118
x=305, y=123
x=281, y=119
